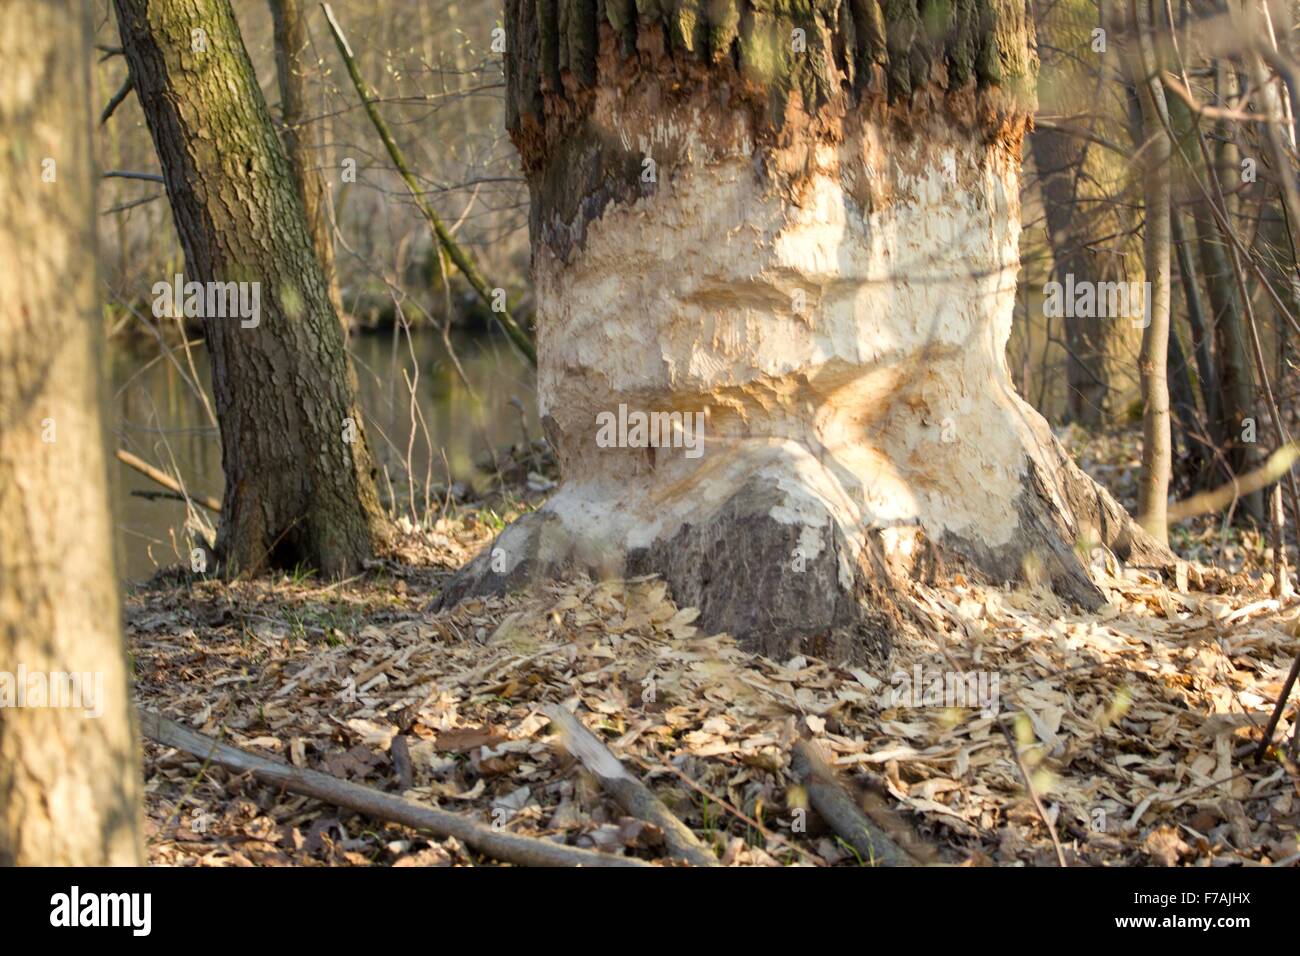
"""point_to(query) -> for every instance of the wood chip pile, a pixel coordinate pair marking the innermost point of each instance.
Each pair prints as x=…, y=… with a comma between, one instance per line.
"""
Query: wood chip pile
x=1130, y=722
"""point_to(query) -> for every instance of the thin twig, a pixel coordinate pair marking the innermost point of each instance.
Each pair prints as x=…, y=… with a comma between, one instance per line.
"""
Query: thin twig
x=164, y=479
x=1033, y=794
x=118, y=98
x=744, y=818
x=127, y=174
x=1278, y=709
x=464, y=262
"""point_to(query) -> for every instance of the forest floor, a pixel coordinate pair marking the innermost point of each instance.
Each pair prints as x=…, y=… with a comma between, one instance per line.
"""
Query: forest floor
x=1134, y=724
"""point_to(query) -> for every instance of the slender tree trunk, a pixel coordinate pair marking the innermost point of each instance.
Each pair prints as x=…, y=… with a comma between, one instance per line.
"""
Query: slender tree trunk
x=798, y=233
x=1093, y=343
x=1237, y=401
x=1237, y=375
x=1082, y=231
x=69, y=774
x=299, y=479
x=1206, y=373
x=1157, y=462
x=1236, y=398
x=301, y=136
x=1185, y=420
x=1227, y=158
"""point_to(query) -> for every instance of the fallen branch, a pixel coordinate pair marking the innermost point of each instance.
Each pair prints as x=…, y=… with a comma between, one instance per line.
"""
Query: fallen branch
x=164, y=479
x=768, y=835
x=510, y=847
x=632, y=795
x=464, y=262
x=841, y=812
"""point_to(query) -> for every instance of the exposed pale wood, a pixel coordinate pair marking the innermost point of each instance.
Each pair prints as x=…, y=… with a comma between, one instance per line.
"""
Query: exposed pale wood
x=510, y=847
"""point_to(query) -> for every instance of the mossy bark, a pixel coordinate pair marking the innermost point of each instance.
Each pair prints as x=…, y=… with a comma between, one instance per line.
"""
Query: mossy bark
x=558, y=47
x=300, y=485
x=301, y=134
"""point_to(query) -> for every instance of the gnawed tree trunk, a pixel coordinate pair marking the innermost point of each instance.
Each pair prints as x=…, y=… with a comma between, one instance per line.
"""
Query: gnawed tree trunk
x=299, y=134
x=299, y=479
x=817, y=250
x=69, y=774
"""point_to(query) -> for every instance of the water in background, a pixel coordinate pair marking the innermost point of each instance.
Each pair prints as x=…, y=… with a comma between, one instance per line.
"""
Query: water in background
x=156, y=415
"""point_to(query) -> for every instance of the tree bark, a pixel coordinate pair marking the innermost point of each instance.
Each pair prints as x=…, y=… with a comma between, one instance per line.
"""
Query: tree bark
x=1206, y=373
x=1236, y=385
x=299, y=133
x=1085, y=233
x=299, y=478
x=1157, y=462
x=800, y=227
x=69, y=774
x=1075, y=236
